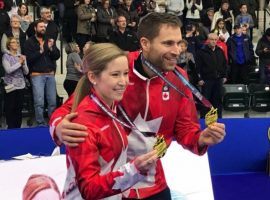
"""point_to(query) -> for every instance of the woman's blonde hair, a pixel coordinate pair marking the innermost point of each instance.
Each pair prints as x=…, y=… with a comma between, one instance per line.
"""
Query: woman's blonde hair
x=9, y=40
x=37, y=183
x=71, y=47
x=97, y=58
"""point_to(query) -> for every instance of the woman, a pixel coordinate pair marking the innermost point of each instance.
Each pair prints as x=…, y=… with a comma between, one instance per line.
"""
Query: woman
x=220, y=30
x=15, y=68
x=226, y=15
x=14, y=31
x=86, y=23
x=40, y=187
x=97, y=168
x=73, y=64
x=193, y=13
x=25, y=18
x=106, y=17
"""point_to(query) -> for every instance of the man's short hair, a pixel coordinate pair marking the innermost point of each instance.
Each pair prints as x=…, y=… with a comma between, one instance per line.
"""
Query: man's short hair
x=43, y=9
x=38, y=22
x=150, y=24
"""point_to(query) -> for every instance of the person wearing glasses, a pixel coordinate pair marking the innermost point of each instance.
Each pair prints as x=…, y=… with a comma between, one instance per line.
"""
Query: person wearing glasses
x=16, y=32
x=15, y=68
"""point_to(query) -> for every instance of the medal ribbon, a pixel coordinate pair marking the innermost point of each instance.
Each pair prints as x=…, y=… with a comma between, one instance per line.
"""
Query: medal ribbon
x=132, y=126
x=194, y=90
x=204, y=101
x=108, y=112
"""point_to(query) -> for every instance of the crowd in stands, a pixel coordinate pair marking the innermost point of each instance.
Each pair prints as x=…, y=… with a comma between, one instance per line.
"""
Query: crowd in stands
x=217, y=44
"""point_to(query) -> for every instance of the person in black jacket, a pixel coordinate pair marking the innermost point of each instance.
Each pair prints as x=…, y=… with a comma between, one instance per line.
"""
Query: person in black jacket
x=241, y=55
x=41, y=54
x=124, y=38
x=211, y=66
x=4, y=24
x=70, y=20
x=263, y=51
x=14, y=31
x=52, y=29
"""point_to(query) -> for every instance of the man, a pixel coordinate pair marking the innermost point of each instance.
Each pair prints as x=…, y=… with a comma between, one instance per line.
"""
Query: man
x=241, y=55
x=212, y=74
x=148, y=101
x=263, y=51
x=123, y=38
x=130, y=13
x=52, y=29
x=41, y=54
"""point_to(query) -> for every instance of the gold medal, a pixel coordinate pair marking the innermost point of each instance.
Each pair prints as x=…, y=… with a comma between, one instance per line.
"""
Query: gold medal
x=211, y=116
x=160, y=146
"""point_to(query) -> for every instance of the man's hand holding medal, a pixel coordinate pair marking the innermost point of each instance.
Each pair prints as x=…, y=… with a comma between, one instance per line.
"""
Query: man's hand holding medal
x=215, y=132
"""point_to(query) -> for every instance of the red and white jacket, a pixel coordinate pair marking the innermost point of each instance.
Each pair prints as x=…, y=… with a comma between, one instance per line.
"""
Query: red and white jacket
x=154, y=107
x=98, y=167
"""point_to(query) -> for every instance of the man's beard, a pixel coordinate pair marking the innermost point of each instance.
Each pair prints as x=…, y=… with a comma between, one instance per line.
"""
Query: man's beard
x=40, y=34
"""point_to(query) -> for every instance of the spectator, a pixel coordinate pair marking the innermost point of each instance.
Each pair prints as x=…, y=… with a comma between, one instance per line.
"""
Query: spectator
x=212, y=74
x=226, y=15
x=14, y=7
x=4, y=25
x=106, y=17
x=4, y=19
x=86, y=47
x=220, y=30
x=145, y=6
x=26, y=19
x=187, y=62
x=42, y=53
x=263, y=51
x=41, y=187
x=125, y=39
x=223, y=35
x=52, y=29
x=245, y=19
x=190, y=37
x=14, y=31
x=86, y=29
x=6, y=5
x=74, y=67
x=130, y=13
x=252, y=6
x=241, y=55
x=70, y=20
x=207, y=18
x=15, y=68
x=176, y=7
x=161, y=6
x=194, y=7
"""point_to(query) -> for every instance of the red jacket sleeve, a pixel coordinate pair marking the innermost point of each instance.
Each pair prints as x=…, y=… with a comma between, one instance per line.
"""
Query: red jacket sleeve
x=187, y=127
x=58, y=115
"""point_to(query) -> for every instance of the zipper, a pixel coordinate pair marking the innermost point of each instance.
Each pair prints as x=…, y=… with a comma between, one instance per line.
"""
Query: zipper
x=147, y=98
x=119, y=132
